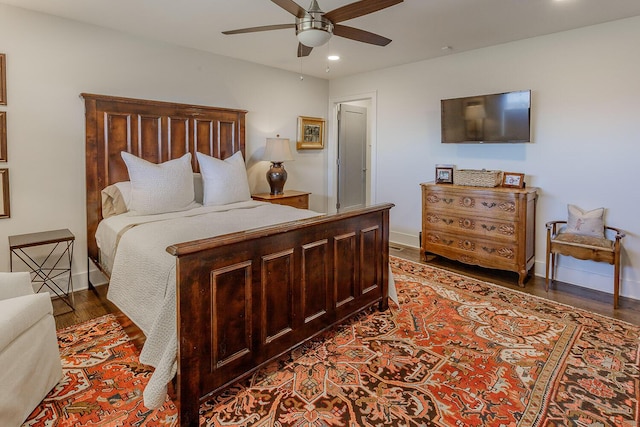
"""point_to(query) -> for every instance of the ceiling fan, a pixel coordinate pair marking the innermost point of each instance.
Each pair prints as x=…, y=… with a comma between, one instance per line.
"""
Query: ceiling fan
x=315, y=27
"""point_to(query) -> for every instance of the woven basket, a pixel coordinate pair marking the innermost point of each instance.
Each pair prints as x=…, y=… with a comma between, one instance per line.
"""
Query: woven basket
x=477, y=178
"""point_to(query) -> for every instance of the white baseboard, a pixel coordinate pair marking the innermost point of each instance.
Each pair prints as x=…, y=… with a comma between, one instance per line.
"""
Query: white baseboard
x=404, y=239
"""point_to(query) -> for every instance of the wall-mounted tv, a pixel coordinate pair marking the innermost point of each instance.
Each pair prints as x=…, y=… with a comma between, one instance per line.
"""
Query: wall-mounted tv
x=499, y=117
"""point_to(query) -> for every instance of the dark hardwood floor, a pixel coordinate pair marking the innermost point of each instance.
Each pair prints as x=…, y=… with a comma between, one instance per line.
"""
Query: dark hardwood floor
x=575, y=296
x=90, y=304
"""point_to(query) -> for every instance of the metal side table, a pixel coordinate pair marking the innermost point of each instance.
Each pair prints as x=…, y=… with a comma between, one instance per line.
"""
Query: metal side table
x=54, y=267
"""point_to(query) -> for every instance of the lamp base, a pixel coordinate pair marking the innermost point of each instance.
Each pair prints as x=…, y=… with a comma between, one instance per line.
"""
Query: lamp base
x=276, y=176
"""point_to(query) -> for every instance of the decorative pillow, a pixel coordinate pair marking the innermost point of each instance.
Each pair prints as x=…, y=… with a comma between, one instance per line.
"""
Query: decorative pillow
x=585, y=223
x=224, y=181
x=160, y=188
x=116, y=198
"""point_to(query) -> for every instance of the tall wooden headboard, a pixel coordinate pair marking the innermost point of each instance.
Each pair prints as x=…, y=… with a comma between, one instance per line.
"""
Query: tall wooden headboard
x=155, y=131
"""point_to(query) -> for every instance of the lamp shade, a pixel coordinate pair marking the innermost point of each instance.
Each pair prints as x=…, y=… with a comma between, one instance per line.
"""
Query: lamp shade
x=278, y=150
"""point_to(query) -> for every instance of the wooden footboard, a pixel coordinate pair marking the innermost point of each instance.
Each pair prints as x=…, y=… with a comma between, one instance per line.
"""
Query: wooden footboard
x=246, y=298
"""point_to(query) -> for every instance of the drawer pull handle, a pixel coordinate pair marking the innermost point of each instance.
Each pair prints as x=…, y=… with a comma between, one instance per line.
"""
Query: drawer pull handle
x=506, y=253
x=488, y=250
x=468, y=245
x=489, y=205
x=467, y=223
x=488, y=228
x=447, y=221
x=448, y=201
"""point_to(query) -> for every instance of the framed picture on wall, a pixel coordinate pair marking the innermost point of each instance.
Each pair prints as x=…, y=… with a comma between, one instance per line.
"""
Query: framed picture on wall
x=4, y=193
x=310, y=133
x=3, y=79
x=3, y=136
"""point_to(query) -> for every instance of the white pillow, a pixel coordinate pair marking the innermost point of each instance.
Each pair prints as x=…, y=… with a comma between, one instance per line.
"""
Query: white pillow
x=160, y=188
x=224, y=181
x=585, y=223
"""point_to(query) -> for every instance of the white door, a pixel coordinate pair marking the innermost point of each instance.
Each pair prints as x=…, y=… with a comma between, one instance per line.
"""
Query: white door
x=352, y=156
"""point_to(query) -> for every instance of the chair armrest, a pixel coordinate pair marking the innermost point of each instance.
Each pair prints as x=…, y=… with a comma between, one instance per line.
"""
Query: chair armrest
x=20, y=314
x=619, y=233
x=552, y=227
x=552, y=224
x=15, y=285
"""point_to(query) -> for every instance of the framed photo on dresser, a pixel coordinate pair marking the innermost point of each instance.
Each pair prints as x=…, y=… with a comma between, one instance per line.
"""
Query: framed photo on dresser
x=513, y=179
x=444, y=174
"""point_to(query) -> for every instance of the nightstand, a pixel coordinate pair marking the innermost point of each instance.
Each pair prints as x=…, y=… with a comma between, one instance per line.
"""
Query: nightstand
x=297, y=199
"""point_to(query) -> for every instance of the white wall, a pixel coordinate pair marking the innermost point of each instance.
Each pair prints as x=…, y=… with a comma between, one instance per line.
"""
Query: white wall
x=586, y=137
x=50, y=61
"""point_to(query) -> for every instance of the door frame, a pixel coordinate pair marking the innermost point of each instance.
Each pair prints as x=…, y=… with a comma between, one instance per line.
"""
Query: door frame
x=332, y=150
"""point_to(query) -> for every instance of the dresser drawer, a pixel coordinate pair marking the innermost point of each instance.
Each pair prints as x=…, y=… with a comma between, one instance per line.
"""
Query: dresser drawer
x=477, y=203
x=483, y=227
x=472, y=250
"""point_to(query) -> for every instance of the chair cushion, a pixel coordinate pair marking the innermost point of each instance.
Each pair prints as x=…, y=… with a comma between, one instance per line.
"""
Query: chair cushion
x=586, y=223
x=583, y=241
x=20, y=313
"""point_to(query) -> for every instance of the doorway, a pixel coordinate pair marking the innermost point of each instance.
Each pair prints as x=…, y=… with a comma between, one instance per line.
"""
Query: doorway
x=352, y=181
x=352, y=156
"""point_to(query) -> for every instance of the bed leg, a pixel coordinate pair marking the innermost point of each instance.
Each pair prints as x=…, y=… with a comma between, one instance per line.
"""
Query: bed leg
x=91, y=287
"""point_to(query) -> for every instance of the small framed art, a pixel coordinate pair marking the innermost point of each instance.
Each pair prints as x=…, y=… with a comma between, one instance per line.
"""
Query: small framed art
x=3, y=79
x=444, y=175
x=310, y=133
x=513, y=179
x=3, y=136
x=4, y=193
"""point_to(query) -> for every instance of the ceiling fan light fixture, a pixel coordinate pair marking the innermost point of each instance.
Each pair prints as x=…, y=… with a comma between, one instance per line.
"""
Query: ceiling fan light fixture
x=313, y=32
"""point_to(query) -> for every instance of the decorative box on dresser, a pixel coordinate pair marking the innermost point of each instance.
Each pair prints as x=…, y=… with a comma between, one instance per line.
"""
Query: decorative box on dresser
x=489, y=227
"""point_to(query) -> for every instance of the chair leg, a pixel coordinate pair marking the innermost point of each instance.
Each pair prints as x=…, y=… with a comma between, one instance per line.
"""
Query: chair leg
x=616, y=283
x=552, y=256
x=546, y=276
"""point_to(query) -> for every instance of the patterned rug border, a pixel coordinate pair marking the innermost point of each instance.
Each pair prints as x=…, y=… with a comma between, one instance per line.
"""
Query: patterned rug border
x=503, y=288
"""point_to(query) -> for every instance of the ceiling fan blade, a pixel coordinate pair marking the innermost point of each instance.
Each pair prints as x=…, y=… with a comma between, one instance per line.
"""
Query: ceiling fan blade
x=303, y=50
x=292, y=7
x=263, y=28
x=359, y=8
x=360, y=35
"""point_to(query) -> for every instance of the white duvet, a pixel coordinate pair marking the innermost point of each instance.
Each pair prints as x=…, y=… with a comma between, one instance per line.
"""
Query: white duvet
x=142, y=282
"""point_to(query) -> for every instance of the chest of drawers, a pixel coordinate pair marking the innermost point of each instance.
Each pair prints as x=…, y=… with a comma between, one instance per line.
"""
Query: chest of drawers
x=489, y=227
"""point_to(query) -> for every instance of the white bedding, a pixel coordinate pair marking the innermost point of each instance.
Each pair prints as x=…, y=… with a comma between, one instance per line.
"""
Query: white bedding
x=142, y=282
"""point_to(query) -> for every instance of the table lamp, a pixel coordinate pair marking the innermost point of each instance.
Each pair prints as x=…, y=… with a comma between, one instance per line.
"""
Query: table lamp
x=277, y=152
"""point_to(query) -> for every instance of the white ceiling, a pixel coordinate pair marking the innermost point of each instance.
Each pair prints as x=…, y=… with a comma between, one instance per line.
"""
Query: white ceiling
x=419, y=28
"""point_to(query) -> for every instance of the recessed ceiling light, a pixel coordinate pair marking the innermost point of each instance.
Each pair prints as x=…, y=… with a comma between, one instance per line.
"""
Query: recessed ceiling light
x=333, y=57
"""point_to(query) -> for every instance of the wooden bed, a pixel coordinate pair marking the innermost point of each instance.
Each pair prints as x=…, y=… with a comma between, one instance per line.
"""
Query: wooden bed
x=245, y=298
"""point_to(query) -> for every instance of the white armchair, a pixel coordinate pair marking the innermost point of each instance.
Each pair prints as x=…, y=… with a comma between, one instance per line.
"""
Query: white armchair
x=29, y=355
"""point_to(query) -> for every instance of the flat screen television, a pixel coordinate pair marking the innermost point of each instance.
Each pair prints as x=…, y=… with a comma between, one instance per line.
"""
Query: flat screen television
x=495, y=118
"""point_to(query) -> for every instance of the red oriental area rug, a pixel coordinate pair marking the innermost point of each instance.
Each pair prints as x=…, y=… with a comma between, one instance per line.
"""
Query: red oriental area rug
x=456, y=352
